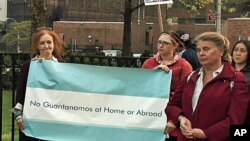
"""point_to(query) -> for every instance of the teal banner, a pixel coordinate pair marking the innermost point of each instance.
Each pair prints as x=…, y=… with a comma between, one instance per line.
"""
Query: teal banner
x=90, y=103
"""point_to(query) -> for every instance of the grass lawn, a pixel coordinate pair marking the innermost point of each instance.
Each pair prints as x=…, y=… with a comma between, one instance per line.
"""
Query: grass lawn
x=7, y=101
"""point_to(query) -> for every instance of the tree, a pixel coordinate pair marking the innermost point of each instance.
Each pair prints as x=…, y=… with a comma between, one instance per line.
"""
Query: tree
x=129, y=9
x=196, y=6
x=38, y=10
x=26, y=28
x=191, y=5
x=11, y=40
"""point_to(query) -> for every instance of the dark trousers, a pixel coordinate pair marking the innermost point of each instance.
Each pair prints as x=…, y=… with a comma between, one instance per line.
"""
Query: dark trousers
x=171, y=138
x=23, y=137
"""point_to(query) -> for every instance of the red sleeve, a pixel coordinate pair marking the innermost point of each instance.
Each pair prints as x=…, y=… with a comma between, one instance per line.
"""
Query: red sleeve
x=174, y=106
x=149, y=63
x=236, y=112
x=186, y=70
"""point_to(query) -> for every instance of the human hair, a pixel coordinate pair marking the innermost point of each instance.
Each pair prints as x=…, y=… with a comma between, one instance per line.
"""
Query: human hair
x=246, y=43
x=58, y=51
x=175, y=38
x=219, y=40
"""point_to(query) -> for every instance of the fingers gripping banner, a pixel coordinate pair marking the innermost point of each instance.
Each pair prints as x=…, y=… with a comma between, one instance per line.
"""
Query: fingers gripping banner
x=75, y=102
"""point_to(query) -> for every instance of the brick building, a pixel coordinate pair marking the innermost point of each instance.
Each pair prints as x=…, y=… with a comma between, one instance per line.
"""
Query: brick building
x=73, y=19
x=236, y=29
x=108, y=35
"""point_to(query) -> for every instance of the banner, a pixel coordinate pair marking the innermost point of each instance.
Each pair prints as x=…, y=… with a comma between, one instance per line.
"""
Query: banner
x=75, y=102
x=3, y=10
x=156, y=2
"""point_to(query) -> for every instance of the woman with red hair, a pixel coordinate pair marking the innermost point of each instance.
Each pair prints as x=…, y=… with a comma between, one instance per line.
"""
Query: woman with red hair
x=46, y=45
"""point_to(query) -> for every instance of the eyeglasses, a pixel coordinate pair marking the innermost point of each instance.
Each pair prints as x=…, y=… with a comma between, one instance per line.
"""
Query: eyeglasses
x=44, y=28
x=164, y=43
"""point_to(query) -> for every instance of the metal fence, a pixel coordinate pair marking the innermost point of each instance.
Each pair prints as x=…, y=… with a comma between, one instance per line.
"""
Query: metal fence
x=10, y=65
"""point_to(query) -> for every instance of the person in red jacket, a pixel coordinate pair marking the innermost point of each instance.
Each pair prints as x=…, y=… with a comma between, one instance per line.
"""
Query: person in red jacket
x=167, y=58
x=213, y=97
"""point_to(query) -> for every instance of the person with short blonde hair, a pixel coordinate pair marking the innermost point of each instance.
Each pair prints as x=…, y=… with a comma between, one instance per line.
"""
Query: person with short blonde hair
x=213, y=97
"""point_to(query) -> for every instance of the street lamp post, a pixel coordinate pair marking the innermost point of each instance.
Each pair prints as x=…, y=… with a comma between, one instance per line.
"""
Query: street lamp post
x=218, y=18
x=18, y=34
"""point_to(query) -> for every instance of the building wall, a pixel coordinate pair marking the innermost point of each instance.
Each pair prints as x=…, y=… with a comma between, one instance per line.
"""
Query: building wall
x=235, y=29
x=105, y=34
x=109, y=35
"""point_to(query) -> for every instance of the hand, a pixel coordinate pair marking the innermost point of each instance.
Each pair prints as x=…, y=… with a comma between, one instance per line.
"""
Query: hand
x=161, y=66
x=20, y=123
x=38, y=59
x=186, y=127
x=198, y=133
x=169, y=127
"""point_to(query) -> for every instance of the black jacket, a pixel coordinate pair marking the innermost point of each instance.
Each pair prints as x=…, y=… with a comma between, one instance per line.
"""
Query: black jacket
x=190, y=54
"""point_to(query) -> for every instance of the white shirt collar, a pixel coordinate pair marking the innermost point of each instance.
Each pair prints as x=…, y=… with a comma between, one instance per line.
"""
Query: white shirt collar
x=215, y=73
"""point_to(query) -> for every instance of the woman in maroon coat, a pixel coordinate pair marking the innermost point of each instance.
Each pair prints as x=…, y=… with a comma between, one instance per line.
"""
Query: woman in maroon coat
x=213, y=97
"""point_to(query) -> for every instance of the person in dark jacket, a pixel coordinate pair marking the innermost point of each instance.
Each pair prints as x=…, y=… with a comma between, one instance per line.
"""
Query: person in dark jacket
x=241, y=62
x=46, y=45
x=189, y=51
x=213, y=97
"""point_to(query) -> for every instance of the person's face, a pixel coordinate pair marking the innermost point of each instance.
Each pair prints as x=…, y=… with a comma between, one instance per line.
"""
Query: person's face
x=208, y=53
x=240, y=54
x=165, y=45
x=46, y=45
